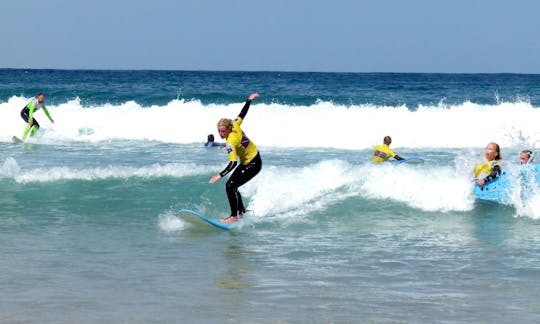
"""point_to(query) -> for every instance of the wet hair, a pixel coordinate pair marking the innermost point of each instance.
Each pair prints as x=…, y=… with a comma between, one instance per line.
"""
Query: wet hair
x=498, y=150
x=387, y=140
x=210, y=138
x=225, y=122
x=529, y=154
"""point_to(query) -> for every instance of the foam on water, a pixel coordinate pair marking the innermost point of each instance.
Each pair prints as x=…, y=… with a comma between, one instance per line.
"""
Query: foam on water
x=11, y=169
x=292, y=194
x=425, y=188
x=323, y=124
x=169, y=222
x=289, y=194
x=524, y=191
x=314, y=188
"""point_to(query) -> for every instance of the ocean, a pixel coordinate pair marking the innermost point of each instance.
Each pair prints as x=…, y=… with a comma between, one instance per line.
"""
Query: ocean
x=89, y=230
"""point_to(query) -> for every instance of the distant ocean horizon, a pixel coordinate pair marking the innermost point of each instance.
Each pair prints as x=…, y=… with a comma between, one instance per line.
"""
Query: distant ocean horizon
x=89, y=230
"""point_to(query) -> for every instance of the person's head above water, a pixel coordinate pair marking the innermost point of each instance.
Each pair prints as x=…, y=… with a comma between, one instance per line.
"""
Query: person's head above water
x=493, y=152
x=387, y=140
x=210, y=138
x=525, y=156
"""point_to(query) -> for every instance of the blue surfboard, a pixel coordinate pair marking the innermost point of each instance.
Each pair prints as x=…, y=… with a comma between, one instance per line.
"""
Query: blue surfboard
x=212, y=221
x=411, y=160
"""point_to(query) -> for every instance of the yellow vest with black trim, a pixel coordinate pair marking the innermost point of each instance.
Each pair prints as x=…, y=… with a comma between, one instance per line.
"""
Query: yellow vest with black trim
x=239, y=145
x=484, y=169
x=381, y=153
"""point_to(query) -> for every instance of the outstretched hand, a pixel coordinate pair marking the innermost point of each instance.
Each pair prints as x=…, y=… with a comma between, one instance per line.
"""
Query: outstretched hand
x=253, y=96
x=214, y=179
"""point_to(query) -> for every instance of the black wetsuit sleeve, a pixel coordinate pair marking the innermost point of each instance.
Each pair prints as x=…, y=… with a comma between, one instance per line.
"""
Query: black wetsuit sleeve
x=244, y=111
x=228, y=168
x=399, y=158
x=496, y=171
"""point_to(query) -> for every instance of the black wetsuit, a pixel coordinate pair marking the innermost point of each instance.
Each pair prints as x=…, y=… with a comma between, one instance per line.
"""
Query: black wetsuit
x=242, y=173
x=25, y=114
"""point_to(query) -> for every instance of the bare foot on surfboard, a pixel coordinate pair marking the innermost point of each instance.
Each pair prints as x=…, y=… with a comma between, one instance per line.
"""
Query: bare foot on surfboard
x=230, y=219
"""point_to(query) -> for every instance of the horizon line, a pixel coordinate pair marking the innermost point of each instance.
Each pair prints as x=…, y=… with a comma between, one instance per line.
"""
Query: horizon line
x=250, y=71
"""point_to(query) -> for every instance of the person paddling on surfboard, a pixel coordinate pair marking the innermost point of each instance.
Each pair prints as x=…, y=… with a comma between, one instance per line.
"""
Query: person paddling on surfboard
x=27, y=113
x=238, y=146
x=382, y=152
x=210, y=142
x=489, y=170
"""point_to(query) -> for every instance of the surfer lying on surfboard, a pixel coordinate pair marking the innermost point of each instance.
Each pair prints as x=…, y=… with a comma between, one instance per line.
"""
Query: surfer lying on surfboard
x=27, y=113
x=238, y=146
x=382, y=152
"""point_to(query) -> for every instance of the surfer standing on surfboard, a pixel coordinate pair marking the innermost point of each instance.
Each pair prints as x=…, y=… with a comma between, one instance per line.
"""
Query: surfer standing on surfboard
x=238, y=146
x=27, y=113
x=382, y=152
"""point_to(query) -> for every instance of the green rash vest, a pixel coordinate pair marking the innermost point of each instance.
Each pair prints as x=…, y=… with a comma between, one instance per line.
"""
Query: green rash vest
x=34, y=105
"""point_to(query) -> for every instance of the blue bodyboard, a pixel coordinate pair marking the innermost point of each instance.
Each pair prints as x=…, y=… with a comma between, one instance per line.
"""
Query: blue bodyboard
x=497, y=191
x=211, y=221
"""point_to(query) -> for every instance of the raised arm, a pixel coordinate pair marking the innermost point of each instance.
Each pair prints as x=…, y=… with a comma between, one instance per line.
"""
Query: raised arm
x=245, y=109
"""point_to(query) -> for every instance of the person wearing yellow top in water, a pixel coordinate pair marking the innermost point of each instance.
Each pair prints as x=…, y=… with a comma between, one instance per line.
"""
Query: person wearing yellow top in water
x=27, y=114
x=490, y=169
x=239, y=146
x=382, y=152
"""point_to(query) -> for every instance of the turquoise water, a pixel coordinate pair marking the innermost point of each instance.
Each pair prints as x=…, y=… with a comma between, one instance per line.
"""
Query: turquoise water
x=89, y=230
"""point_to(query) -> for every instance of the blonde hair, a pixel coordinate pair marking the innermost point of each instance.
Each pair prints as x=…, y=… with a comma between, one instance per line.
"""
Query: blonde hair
x=225, y=122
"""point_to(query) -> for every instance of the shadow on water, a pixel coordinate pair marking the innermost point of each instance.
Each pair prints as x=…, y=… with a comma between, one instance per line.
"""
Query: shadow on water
x=497, y=224
x=234, y=271
x=236, y=276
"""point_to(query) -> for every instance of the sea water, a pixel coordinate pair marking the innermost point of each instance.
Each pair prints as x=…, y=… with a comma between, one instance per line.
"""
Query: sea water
x=89, y=230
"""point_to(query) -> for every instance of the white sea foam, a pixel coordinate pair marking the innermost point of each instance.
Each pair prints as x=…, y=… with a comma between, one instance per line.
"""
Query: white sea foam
x=531, y=207
x=323, y=124
x=169, y=222
x=524, y=192
x=11, y=169
x=291, y=193
x=426, y=188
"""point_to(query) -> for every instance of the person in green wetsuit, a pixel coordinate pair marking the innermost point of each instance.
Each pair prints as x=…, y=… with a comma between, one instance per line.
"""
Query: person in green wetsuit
x=27, y=113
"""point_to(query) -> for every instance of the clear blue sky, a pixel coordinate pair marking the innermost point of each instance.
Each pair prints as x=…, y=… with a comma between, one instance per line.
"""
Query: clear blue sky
x=273, y=35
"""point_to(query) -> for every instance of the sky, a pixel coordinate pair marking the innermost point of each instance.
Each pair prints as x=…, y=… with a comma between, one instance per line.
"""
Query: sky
x=447, y=36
